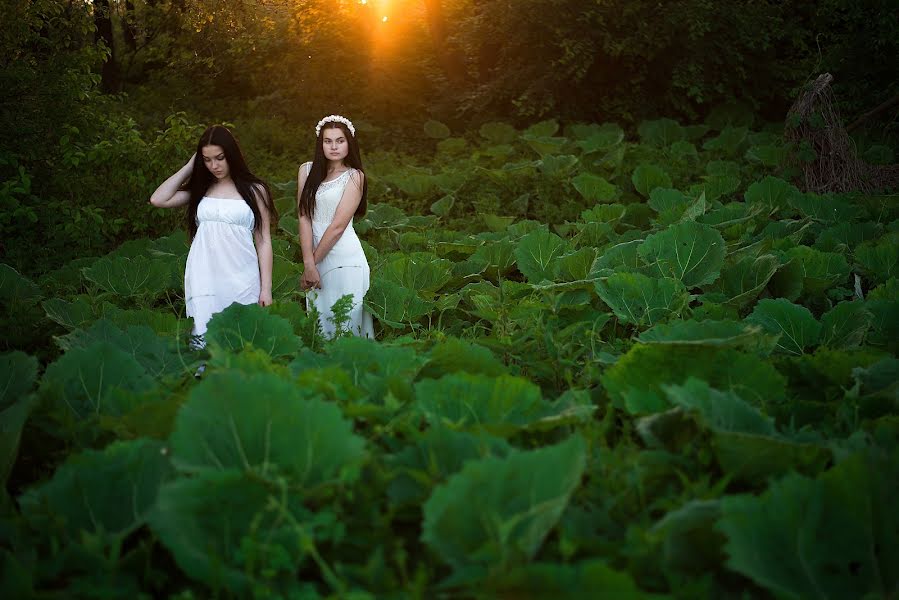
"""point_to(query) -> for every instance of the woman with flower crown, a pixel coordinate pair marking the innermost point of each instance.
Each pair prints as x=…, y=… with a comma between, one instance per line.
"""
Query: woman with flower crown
x=332, y=190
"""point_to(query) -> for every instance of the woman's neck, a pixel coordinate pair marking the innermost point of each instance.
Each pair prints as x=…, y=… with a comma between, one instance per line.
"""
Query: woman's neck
x=336, y=165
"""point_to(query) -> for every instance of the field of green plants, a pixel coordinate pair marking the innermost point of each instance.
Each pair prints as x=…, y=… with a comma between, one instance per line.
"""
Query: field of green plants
x=607, y=366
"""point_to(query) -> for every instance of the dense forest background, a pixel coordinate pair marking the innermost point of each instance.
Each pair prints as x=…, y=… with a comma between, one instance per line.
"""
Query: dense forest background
x=100, y=100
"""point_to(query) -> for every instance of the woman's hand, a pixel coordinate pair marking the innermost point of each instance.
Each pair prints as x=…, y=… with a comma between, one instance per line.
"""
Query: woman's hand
x=265, y=298
x=310, y=279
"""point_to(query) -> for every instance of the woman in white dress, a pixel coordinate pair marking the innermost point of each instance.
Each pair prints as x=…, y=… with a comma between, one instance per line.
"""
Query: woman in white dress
x=229, y=215
x=332, y=190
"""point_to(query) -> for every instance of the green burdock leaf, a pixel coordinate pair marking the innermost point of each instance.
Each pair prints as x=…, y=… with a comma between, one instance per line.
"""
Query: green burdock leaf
x=285, y=275
x=99, y=495
x=433, y=457
x=885, y=328
x=845, y=325
x=422, y=272
x=520, y=500
x=383, y=216
x=741, y=283
x=289, y=225
x=661, y=132
x=634, y=381
x=609, y=137
x=442, y=207
x=16, y=289
x=500, y=404
x=219, y=526
x=436, y=129
x=594, y=188
x=729, y=142
x=820, y=270
x=284, y=430
x=604, y=213
x=796, y=324
x=646, y=178
x=546, y=147
x=453, y=355
x=771, y=192
x=543, y=128
x=827, y=208
x=641, y=300
x=830, y=537
x=717, y=187
x=557, y=166
x=787, y=280
x=137, y=276
x=575, y=266
x=844, y=236
x=242, y=324
x=162, y=323
x=156, y=355
x=620, y=257
x=498, y=133
x=689, y=251
x=376, y=368
x=70, y=315
x=18, y=372
x=537, y=255
x=881, y=259
x=83, y=380
x=745, y=442
x=726, y=334
x=669, y=203
x=394, y=305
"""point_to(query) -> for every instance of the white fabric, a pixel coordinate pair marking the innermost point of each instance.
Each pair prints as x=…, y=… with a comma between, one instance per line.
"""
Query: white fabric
x=222, y=265
x=345, y=269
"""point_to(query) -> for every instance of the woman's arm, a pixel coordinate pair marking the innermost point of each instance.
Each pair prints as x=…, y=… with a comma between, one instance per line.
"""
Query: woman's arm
x=263, y=238
x=169, y=194
x=352, y=196
x=310, y=278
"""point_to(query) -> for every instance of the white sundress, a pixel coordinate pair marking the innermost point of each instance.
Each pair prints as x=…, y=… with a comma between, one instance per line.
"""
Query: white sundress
x=222, y=265
x=345, y=269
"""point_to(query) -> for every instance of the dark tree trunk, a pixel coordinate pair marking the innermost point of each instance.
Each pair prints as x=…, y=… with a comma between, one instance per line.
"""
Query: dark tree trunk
x=128, y=26
x=450, y=59
x=109, y=76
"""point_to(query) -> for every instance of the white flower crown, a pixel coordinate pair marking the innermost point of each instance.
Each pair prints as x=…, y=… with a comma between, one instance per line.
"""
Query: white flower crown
x=335, y=119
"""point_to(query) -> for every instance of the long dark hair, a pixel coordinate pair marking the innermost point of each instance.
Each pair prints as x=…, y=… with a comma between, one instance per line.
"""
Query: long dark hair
x=246, y=183
x=319, y=171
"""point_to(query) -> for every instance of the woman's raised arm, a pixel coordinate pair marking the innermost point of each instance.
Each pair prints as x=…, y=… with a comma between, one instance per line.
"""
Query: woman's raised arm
x=169, y=194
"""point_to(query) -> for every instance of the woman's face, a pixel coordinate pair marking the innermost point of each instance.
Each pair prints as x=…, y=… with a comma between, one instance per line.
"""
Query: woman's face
x=334, y=143
x=214, y=159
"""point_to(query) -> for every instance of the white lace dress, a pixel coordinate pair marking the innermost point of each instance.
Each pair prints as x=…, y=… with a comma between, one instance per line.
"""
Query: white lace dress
x=222, y=265
x=345, y=269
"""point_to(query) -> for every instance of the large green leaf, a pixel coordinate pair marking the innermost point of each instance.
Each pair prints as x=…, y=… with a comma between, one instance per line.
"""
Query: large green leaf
x=99, y=495
x=660, y=132
x=646, y=178
x=691, y=252
x=634, y=381
x=72, y=314
x=821, y=270
x=728, y=334
x=845, y=325
x=746, y=443
x=520, y=499
x=641, y=300
x=669, y=203
x=537, y=255
x=542, y=581
x=880, y=260
x=137, y=276
x=433, y=457
x=594, y=188
x=831, y=537
x=498, y=133
x=250, y=324
x=452, y=355
x=771, y=193
x=620, y=257
x=796, y=325
x=219, y=526
x=12, y=422
x=83, y=379
x=264, y=424
x=14, y=288
x=18, y=372
x=742, y=282
x=826, y=208
x=394, y=305
x=156, y=355
x=422, y=272
x=575, y=266
x=498, y=404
